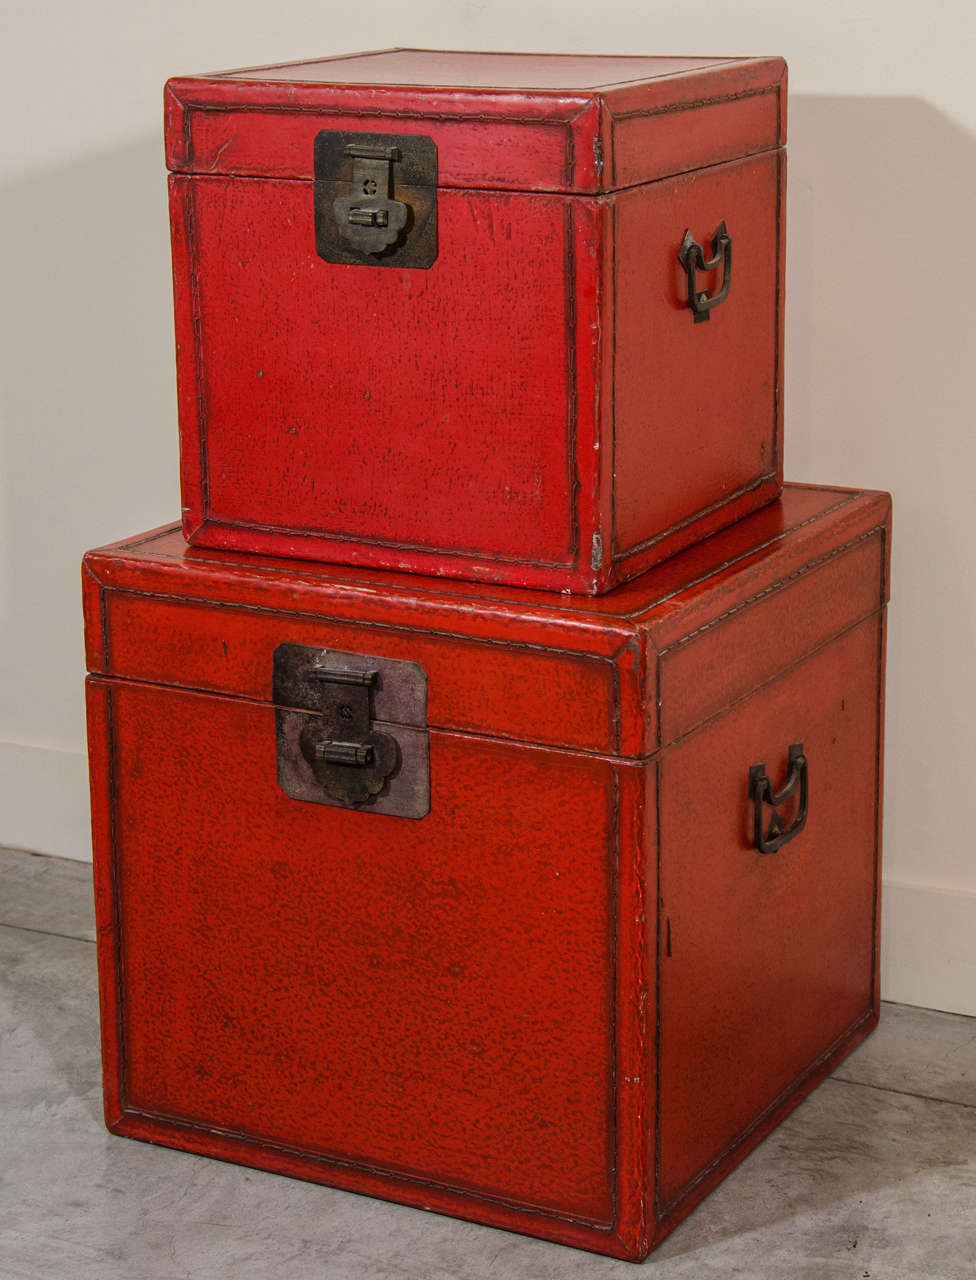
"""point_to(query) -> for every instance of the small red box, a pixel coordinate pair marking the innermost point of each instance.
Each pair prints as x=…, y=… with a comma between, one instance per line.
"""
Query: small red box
x=528, y=908
x=518, y=384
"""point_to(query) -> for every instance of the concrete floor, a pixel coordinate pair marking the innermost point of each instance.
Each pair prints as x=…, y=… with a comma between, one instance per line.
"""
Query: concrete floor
x=873, y=1176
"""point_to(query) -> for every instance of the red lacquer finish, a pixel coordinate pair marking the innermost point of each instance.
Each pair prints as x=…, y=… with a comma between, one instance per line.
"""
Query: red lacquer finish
x=538, y=407
x=573, y=996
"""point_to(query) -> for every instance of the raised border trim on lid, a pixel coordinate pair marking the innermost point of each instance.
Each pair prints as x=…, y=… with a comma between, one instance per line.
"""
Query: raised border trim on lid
x=158, y=610
x=576, y=141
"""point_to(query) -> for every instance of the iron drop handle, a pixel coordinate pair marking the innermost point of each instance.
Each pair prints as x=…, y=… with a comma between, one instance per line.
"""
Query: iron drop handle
x=691, y=255
x=762, y=793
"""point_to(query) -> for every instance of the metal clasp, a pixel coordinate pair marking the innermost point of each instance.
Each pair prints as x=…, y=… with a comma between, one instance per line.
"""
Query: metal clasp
x=375, y=198
x=352, y=730
x=369, y=218
x=691, y=255
x=344, y=736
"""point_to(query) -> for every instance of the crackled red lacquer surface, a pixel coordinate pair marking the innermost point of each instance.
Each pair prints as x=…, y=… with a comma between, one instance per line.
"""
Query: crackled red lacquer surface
x=573, y=996
x=537, y=407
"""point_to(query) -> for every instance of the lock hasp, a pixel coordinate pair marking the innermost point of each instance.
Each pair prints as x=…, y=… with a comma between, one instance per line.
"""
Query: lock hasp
x=376, y=199
x=351, y=730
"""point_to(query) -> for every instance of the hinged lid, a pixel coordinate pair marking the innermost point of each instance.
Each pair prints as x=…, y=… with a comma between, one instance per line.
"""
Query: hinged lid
x=621, y=675
x=534, y=122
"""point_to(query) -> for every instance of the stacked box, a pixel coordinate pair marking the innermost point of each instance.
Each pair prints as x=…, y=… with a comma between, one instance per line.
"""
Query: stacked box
x=487, y=776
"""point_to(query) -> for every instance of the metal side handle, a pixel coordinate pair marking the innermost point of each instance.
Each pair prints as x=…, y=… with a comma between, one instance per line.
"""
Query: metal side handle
x=769, y=839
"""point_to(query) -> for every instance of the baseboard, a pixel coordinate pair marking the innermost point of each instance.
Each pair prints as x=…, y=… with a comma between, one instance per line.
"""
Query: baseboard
x=928, y=946
x=44, y=801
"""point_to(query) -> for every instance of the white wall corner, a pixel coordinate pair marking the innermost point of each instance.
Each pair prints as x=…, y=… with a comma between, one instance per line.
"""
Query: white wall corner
x=928, y=946
x=44, y=803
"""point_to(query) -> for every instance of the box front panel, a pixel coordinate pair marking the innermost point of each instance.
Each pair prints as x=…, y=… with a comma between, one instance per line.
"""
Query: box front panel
x=428, y=999
x=696, y=403
x=425, y=409
x=767, y=959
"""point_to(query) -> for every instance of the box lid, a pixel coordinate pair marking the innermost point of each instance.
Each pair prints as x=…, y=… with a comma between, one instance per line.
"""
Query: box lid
x=535, y=122
x=622, y=674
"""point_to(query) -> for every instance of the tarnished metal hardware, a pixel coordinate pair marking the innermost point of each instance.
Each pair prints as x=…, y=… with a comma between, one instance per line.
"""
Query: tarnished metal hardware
x=370, y=218
x=691, y=255
x=762, y=793
x=376, y=199
x=349, y=759
x=351, y=730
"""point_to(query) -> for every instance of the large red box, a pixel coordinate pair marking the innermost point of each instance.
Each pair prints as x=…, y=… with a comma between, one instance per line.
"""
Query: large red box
x=518, y=389
x=541, y=975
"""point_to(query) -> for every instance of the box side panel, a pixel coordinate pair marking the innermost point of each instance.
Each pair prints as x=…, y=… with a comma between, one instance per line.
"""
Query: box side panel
x=768, y=961
x=696, y=427
x=742, y=116
x=712, y=667
x=720, y=1169
x=409, y=411
x=689, y=533
x=428, y=1000
x=775, y=545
